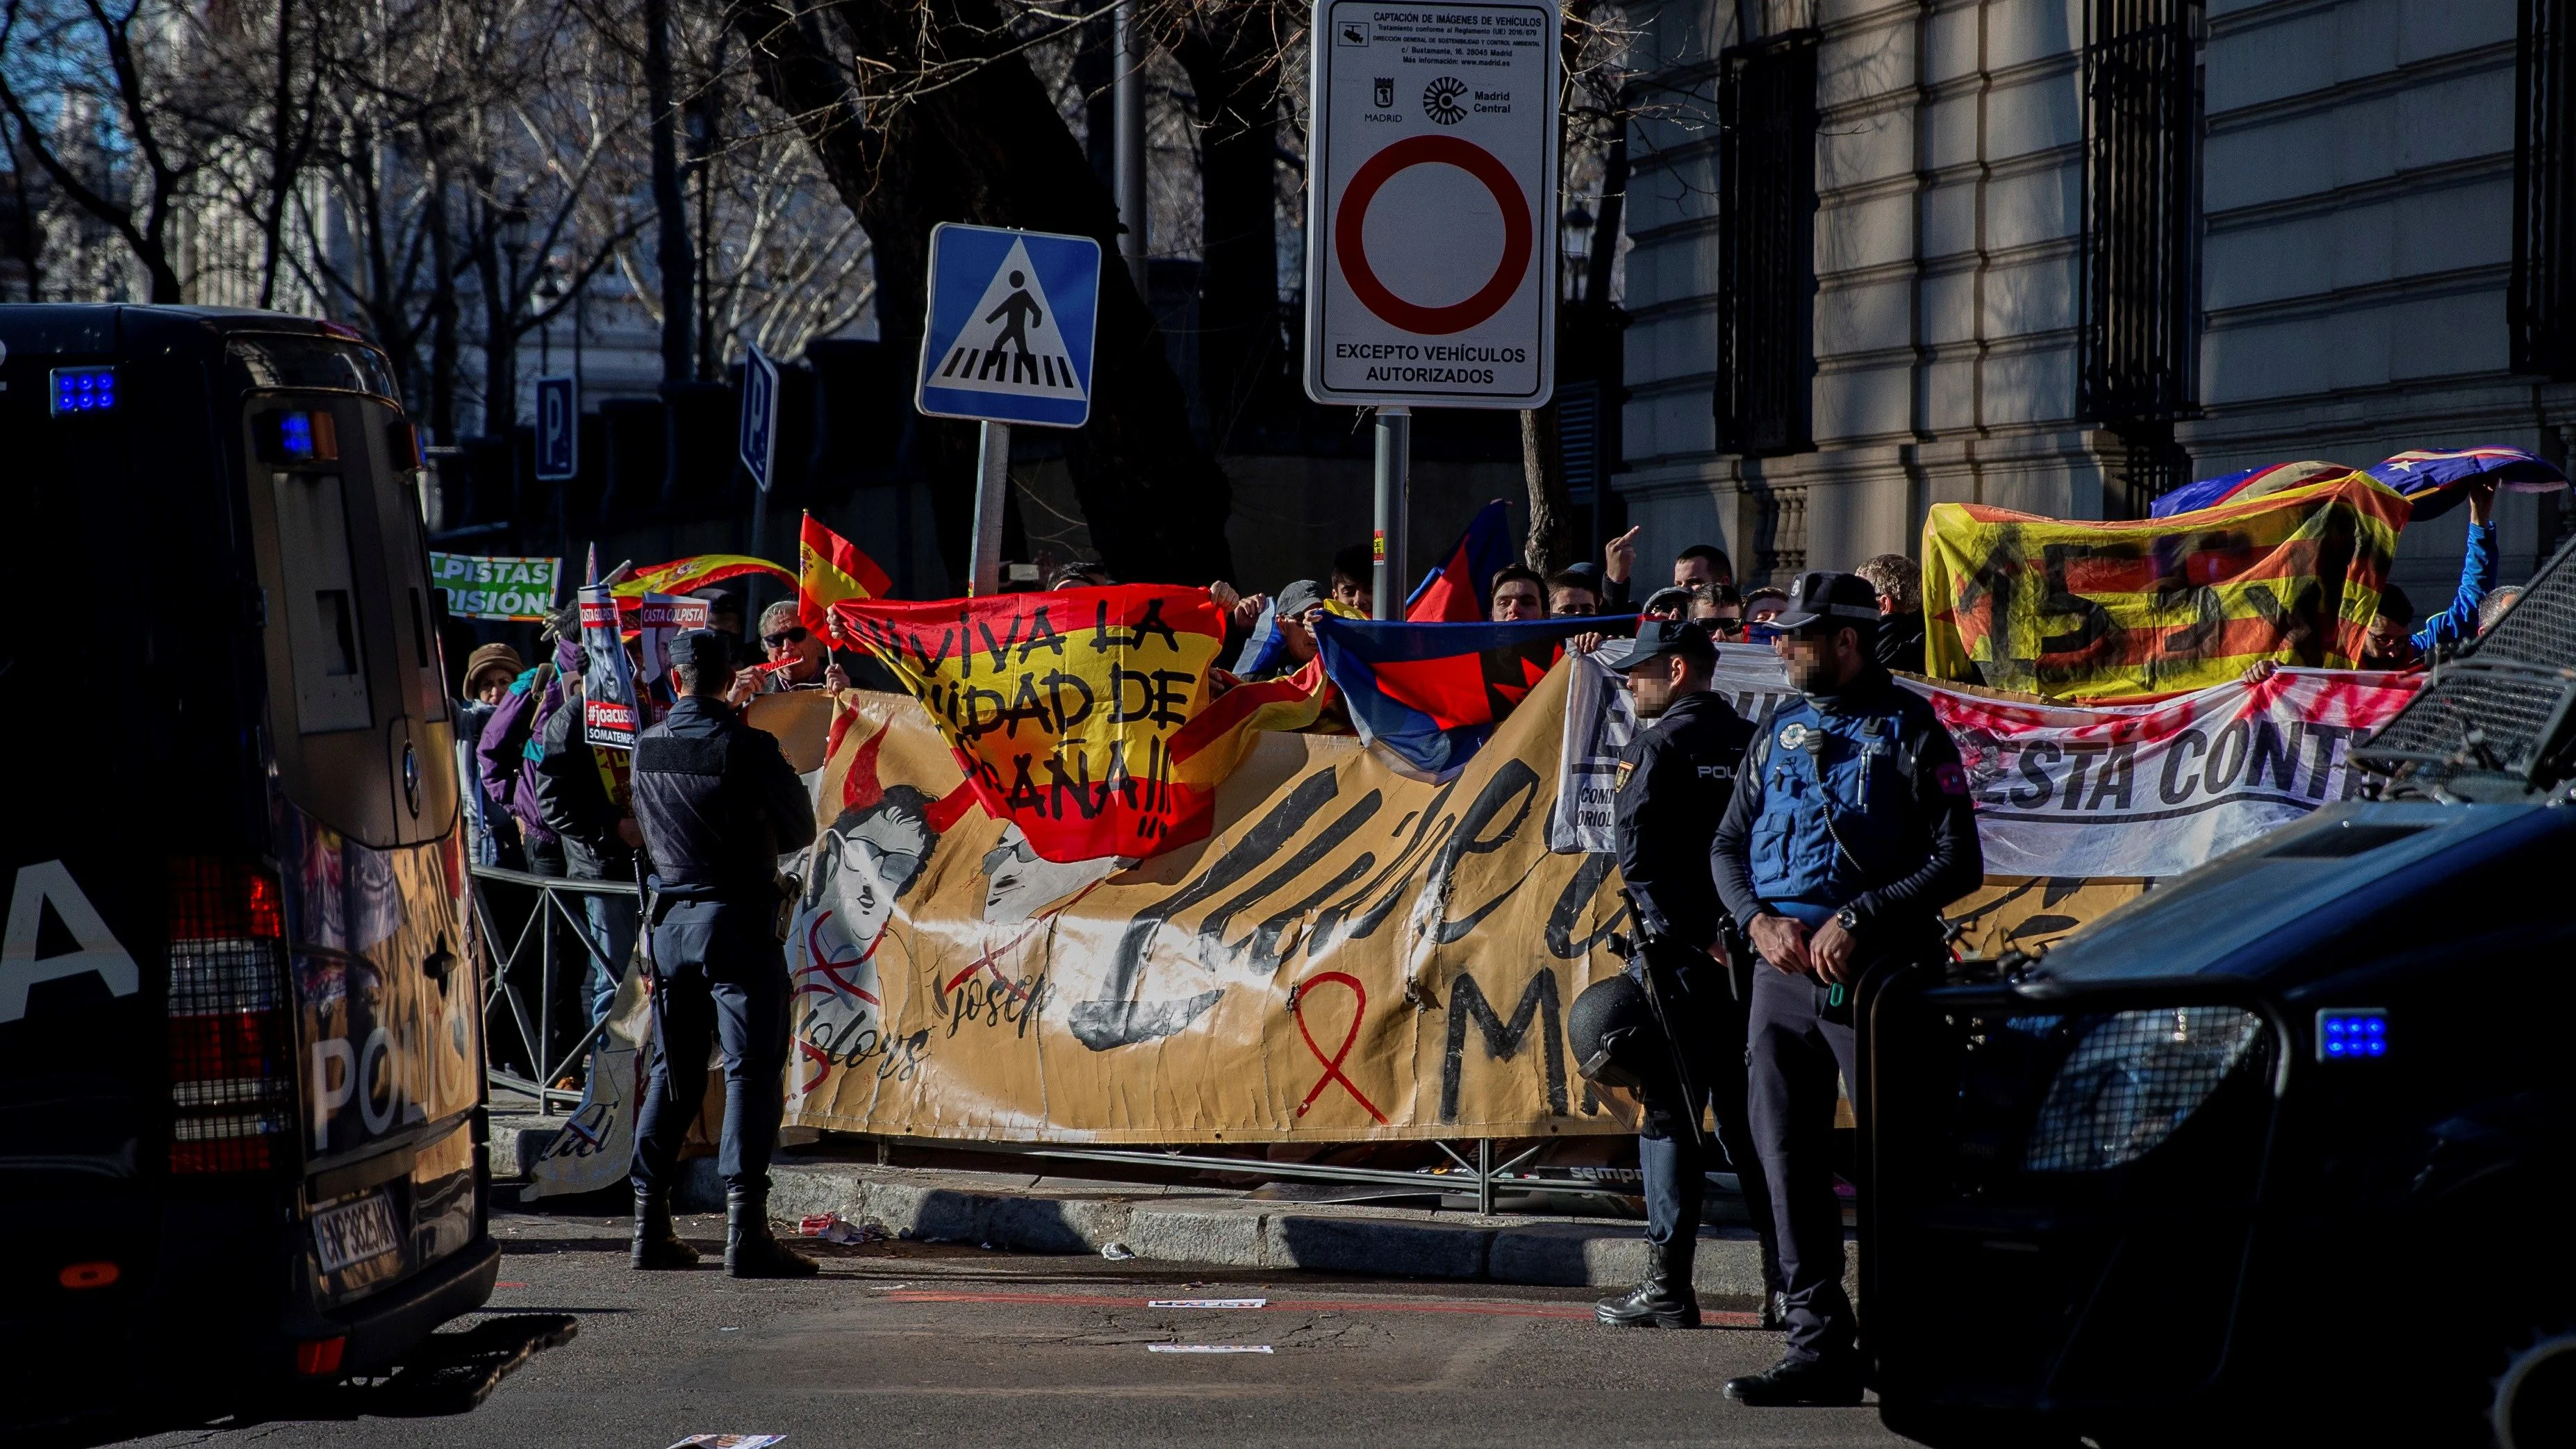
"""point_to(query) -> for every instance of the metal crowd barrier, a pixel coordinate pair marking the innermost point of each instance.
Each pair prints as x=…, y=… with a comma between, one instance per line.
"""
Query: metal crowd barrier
x=508, y=984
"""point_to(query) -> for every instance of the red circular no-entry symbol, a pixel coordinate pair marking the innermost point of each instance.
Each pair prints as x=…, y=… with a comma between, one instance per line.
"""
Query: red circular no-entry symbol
x=1352, y=215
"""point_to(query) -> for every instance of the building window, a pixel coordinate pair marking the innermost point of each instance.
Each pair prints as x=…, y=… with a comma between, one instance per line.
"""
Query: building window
x=2542, y=306
x=1766, y=247
x=2139, y=364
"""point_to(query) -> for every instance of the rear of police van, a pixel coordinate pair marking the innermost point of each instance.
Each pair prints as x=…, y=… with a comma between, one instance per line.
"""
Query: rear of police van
x=240, y=1058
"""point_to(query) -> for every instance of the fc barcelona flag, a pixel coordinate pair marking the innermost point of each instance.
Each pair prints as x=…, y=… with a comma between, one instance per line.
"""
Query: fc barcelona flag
x=1455, y=590
x=1433, y=692
x=2124, y=609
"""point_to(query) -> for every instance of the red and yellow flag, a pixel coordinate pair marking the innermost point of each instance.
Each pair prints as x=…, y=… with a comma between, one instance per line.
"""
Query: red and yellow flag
x=829, y=569
x=1088, y=716
x=681, y=575
x=2121, y=609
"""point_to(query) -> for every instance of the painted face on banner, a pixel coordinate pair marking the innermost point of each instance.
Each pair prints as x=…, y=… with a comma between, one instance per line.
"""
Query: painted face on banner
x=1018, y=885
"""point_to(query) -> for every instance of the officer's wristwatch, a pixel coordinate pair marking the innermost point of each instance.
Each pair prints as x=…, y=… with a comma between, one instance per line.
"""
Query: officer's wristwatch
x=1847, y=918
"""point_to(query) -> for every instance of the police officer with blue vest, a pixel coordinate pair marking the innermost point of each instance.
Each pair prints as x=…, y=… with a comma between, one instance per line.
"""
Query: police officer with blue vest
x=1675, y=779
x=718, y=803
x=1849, y=830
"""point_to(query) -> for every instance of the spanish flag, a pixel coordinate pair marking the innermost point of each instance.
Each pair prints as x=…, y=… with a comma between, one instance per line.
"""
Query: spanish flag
x=685, y=575
x=1091, y=717
x=829, y=569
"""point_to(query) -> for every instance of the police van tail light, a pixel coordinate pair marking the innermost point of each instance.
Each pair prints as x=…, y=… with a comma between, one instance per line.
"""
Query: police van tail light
x=232, y=1079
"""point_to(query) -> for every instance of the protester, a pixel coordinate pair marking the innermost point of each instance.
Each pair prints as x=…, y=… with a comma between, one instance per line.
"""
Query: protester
x=1762, y=605
x=1517, y=593
x=1618, y=561
x=494, y=835
x=1297, y=606
x=2392, y=644
x=513, y=740
x=807, y=661
x=724, y=615
x=1718, y=608
x=1355, y=582
x=1899, y=582
x=577, y=792
x=1666, y=604
x=1702, y=563
x=719, y=803
x=1575, y=592
x=1079, y=574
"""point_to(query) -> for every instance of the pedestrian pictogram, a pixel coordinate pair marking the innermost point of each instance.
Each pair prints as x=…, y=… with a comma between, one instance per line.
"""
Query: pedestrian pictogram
x=1430, y=184
x=1010, y=328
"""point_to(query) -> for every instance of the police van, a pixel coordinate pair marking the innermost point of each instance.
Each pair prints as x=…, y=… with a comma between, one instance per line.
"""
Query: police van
x=241, y=1060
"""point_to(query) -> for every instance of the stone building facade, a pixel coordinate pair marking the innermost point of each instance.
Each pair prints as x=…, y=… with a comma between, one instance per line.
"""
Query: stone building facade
x=2065, y=253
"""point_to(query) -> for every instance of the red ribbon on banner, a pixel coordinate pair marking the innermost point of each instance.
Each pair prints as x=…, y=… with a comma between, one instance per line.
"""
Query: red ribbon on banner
x=1333, y=1066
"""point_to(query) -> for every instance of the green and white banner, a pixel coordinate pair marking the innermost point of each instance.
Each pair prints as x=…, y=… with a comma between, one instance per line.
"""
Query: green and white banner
x=496, y=588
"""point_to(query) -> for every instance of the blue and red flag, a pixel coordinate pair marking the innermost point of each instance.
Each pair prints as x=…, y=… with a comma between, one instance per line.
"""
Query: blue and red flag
x=2432, y=481
x=1434, y=692
x=1455, y=591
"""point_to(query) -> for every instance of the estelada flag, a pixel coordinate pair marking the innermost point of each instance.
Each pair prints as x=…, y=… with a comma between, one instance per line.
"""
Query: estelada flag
x=1433, y=693
x=829, y=568
x=2134, y=608
x=2432, y=481
x=1457, y=588
x=1088, y=716
x=682, y=575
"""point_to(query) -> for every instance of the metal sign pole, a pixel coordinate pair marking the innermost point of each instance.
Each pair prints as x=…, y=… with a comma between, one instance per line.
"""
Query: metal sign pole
x=1128, y=104
x=1394, y=463
x=992, y=480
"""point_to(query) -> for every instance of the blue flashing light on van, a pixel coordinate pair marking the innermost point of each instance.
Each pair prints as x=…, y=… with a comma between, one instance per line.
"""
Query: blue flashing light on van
x=84, y=390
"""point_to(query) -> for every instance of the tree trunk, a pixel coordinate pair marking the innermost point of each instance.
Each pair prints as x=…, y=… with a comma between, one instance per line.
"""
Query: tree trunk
x=990, y=147
x=1550, y=545
x=442, y=315
x=670, y=203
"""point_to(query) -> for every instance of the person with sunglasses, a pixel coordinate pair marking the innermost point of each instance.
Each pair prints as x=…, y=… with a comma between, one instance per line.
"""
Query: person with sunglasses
x=1719, y=609
x=807, y=660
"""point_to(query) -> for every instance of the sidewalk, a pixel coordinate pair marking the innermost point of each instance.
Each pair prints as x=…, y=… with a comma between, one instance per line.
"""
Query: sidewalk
x=1208, y=1225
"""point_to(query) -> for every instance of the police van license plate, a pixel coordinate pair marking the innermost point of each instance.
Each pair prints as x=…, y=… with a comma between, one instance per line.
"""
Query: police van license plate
x=352, y=1234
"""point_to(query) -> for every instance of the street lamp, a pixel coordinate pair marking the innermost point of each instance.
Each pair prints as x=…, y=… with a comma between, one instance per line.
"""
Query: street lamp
x=1577, y=228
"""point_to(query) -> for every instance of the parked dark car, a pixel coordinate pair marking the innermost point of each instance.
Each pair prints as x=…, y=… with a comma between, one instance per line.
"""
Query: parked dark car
x=241, y=1060
x=2280, y=1151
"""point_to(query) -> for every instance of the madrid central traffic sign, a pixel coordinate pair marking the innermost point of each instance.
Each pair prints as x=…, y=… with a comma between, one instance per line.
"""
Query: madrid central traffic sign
x=1009, y=336
x=1431, y=193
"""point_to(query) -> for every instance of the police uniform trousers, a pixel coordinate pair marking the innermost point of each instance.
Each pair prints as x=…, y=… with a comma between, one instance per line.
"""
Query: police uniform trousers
x=1800, y=1042
x=720, y=975
x=1673, y=1160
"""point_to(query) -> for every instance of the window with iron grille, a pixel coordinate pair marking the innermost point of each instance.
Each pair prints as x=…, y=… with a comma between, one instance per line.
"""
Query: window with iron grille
x=1766, y=249
x=2542, y=303
x=2140, y=355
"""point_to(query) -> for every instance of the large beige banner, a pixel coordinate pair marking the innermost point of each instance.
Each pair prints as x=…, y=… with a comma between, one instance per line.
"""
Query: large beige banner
x=1352, y=954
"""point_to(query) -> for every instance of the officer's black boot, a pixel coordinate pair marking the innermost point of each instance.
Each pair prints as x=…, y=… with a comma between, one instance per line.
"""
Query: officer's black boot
x=656, y=1245
x=1795, y=1381
x=1665, y=1299
x=750, y=1252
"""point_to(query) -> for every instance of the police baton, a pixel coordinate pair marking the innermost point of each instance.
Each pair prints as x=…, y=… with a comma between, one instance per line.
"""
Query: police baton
x=1665, y=1017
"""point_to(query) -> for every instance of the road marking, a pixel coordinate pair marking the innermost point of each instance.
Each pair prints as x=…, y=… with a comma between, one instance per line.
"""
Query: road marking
x=1345, y=1305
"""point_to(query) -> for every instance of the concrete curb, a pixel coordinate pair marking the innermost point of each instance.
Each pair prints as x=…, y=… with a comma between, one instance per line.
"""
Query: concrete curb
x=1211, y=1227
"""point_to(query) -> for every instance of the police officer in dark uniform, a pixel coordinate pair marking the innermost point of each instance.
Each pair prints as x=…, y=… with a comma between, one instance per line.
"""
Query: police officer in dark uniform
x=718, y=804
x=1675, y=780
x=1849, y=830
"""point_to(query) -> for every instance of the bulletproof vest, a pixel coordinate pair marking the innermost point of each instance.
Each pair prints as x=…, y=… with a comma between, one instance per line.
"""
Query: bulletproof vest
x=703, y=832
x=1837, y=809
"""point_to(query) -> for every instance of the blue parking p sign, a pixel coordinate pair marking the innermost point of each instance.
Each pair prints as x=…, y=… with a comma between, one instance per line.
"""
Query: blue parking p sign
x=558, y=428
x=1009, y=337
x=759, y=416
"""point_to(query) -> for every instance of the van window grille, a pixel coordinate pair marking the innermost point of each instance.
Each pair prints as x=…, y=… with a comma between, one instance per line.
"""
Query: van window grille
x=1766, y=250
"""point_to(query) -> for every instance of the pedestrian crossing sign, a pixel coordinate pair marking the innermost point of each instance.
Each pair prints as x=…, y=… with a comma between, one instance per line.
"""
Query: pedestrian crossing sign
x=1010, y=328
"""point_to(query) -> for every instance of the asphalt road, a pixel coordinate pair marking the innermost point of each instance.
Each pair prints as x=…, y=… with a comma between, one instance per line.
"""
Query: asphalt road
x=918, y=1342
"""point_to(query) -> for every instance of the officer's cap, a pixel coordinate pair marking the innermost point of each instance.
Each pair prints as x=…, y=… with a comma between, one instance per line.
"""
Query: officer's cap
x=1828, y=598
x=1661, y=639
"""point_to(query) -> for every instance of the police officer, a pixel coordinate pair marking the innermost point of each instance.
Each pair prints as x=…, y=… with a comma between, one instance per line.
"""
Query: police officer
x=1849, y=830
x=1674, y=782
x=718, y=803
